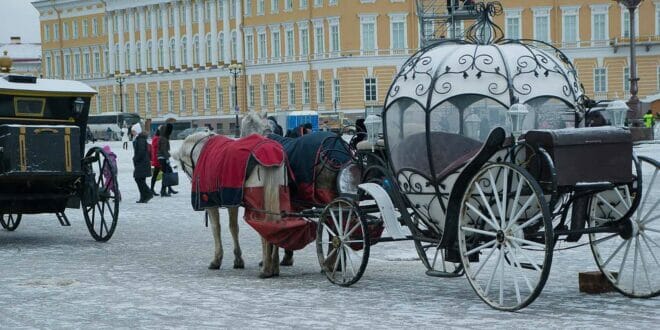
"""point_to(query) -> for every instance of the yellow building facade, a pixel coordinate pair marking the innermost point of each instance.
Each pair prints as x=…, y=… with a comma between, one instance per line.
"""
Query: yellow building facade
x=322, y=55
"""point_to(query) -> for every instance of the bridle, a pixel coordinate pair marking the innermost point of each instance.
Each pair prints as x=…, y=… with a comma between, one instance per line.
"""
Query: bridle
x=191, y=166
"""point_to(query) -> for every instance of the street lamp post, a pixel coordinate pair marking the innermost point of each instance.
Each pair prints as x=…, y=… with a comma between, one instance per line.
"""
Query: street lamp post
x=235, y=69
x=120, y=80
x=633, y=102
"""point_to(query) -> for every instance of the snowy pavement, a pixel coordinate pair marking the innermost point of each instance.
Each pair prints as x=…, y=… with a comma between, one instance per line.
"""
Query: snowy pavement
x=152, y=274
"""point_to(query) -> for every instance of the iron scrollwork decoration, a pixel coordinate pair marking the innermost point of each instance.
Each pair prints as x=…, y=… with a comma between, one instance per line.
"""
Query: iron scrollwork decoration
x=485, y=31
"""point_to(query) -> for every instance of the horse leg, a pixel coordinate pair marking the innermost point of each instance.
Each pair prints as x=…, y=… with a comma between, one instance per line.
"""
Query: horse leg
x=233, y=228
x=267, y=251
x=276, y=260
x=288, y=258
x=214, y=215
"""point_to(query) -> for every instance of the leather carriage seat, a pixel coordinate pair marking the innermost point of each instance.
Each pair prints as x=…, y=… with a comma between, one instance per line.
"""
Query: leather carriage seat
x=449, y=151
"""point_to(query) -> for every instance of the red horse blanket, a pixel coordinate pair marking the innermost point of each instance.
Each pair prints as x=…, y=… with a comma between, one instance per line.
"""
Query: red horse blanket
x=218, y=181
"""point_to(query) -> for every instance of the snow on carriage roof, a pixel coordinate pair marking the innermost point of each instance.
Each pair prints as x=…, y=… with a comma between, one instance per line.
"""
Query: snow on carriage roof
x=45, y=86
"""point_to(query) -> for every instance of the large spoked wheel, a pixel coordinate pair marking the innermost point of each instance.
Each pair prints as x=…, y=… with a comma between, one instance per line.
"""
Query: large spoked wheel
x=505, y=236
x=102, y=207
x=10, y=221
x=342, y=242
x=630, y=257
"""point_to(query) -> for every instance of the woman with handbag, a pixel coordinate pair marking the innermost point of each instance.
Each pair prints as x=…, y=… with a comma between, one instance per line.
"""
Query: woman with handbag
x=164, y=160
x=154, y=159
x=142, y=166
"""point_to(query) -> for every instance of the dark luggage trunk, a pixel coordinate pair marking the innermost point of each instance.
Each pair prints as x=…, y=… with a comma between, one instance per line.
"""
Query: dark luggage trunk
x=586, y=155
x=39, y=149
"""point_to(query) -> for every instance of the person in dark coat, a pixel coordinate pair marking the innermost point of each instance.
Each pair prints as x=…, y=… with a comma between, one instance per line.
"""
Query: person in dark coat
x=142, y=166
x=164, y=158
x=360, y=133
x=277, y=129
x=154, y=160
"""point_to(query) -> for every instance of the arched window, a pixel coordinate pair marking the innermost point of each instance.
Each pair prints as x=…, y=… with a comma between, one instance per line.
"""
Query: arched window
x=196, y=50
x=184, y=51
x=233, y=44
x=116, y=57
x=161, y=54
x=127, y=52
x=221, y=49
x=149, y=47
x=172, y=52
x=208, y=49
x=138, y=56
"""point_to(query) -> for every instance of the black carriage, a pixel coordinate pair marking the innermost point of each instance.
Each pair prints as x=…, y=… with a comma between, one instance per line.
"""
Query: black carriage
x=485, y=162
x=43, y=164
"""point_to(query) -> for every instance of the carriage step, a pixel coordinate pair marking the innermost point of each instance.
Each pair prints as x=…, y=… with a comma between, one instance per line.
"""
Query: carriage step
x=439, y=273
x=61, y=217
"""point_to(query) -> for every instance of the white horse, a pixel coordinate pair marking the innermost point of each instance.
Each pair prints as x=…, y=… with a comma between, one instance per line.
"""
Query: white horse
x=269, y=177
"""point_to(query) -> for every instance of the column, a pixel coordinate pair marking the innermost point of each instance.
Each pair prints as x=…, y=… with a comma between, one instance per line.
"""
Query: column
x=143, y=39
x=111, y=44
x=131, y=39
x=226, y=38
x=239, y=32
x=166, y=36
x=202, y=34
x=189, y=35
x=120, y=40
x=154, y=38
x=177, y=36
x=214, y=35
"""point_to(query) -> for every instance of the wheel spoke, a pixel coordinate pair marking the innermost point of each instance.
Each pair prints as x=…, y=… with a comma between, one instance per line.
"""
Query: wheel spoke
x=328, y=229
x=605, y=202
x=614, y=253
x=524, y=241
x=502, y=277
x=478, y=231
x=482, y=216
x=623, y=262
x=496, y=197
x=635, y=265
x=492, y=275
x=646, y=219
x=529, y=222
x=646, y=195
x=650, y=249
x=485, y=202
x=481, y=247
x=531, y=262
x=649, y=238
x=522, y=209
x=484, y=263
x=623, y=200
x=641, y=257
x=334, y=221
x=350, y=232
x=519, y=268
x=516, y=200
x=652, y=230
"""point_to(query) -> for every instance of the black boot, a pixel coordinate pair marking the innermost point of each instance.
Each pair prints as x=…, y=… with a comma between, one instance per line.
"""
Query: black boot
x=163, y=193
x=172, y=191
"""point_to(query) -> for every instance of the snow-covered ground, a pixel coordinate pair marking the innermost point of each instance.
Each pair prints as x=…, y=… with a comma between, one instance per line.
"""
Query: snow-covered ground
x=152, y=274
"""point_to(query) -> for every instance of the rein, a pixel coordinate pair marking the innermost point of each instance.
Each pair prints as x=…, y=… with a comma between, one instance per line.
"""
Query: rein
x=192, y=160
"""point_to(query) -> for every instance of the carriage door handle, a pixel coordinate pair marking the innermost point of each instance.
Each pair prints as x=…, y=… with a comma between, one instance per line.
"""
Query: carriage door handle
x=45, y=130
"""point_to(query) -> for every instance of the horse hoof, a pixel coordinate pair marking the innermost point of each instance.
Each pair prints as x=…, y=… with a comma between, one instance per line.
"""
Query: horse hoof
x=214, y=265
x=266, y=275
x=239, y=264
x=286, y=262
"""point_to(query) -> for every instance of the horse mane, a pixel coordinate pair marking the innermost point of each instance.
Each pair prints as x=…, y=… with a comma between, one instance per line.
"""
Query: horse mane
x=255, y=123
x=183, y=153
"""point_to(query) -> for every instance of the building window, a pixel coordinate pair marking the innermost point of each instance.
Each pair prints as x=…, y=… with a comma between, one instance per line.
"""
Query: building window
x=336, y=92
x=600, y=80
x=196, y=53
x=170, y=103
x=182, y=107
x=277, y=94
x=219, y=96
x=233, y=44
x=512, y=30
x=74, y=27
x=306, y=92
x=161, y=54
x=261, y=4
x=149, y=47
x=264, y=95
x=274, y=6
x=248, y=8
x=370, y=89
x=292, y=93
x=184, y=51
x=251, y=96
x=172, y=52
x=249, y=47
x=625, y=23
x=85, y=28
x=334, y=39
x=48, y=66
x=303, y=4
x=46, y=33
x=626, y=79
x=320, y=92
x=76, y=65
x=276, y=43
x=332, y=2
x=207, y=98
x=127, y=57
x=288, y=5
x=304, y=41
x=65, y=31
x=570, y=28
x=289, y=44
x=542, y=24
x=398, y=32
x=136, y=102
x=233, y=97
x=159, y=102
x=195, y=100
x=208, y=49
x=657, y=19
x=319, y=40
x=56, y=32
x=318, y=3
x=57, y=66
x=147, y=103
x=86, y=64
x=95, y=27
x=97, y=63
x=599, y=26
x=261, y=46
x=368, y=34
x=232, y=8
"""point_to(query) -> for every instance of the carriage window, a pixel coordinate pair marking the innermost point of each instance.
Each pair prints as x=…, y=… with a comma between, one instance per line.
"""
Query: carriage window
x=405, y=134
x=28, y=106
x=549, y=113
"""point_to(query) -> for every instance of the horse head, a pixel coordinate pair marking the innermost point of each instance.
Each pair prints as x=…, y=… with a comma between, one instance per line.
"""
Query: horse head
x=188, y=154
x=256, y=123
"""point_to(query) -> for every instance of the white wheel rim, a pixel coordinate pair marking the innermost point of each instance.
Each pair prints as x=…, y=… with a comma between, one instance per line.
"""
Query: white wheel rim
x=339, y=239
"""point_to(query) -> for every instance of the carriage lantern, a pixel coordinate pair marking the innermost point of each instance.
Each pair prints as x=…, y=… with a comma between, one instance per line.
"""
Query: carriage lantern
x=374, y=125
x=617, y=110
x=78, y=105
x=516, y=116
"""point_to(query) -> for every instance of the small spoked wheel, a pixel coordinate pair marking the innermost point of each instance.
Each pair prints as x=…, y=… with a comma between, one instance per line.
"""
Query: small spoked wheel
x=505, y=236
x=10, y=221
x=102, y=209
x=629, y=255
x=342, y=242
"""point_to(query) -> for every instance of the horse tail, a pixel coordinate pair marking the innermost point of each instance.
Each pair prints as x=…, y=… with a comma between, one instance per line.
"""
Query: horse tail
x=272, y=192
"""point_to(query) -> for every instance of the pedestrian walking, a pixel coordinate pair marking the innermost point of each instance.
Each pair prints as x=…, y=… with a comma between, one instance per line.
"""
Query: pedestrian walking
x=141, y=164
x=277, y=129
x=648, y=119
x=154, y=159
x=164, y=159
x=124, y=137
